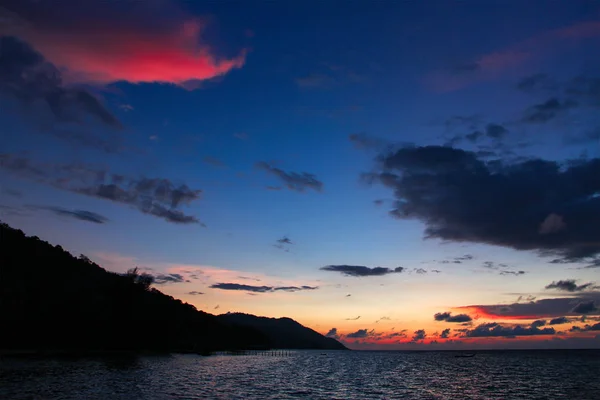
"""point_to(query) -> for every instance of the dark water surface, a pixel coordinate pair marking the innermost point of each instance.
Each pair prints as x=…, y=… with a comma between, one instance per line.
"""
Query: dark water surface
x=312, y=375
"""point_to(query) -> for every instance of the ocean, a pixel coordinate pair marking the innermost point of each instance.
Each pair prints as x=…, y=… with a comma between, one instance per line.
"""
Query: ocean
x=564, y=374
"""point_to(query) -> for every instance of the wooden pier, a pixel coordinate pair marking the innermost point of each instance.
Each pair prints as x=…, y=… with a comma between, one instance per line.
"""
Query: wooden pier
x=263, y=353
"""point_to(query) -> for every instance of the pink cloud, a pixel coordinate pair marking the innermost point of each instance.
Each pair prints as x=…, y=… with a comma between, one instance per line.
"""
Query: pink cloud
x=104, y=50
x=513, y=58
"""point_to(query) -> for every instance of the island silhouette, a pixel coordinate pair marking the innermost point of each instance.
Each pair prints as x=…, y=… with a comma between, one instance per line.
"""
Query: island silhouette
x=53, y=303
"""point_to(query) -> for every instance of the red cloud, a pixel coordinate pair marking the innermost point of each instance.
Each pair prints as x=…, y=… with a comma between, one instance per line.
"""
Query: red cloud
x=105, y=49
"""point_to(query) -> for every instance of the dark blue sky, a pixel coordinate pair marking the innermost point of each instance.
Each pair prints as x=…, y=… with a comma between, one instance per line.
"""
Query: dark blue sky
x=266, y=140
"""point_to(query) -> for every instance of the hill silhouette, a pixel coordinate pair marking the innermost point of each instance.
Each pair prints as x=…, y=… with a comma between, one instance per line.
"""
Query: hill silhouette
x=53, y=302
x=283, y=332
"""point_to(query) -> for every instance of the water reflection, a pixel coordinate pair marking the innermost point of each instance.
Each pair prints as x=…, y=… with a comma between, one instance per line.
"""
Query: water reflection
x=306, y=374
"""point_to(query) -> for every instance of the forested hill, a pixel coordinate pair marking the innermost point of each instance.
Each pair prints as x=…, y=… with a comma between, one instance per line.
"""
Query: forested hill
x=52, y=301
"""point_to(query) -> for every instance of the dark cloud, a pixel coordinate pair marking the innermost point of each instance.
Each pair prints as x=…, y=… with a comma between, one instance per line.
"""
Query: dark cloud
x=585, y=88
x=458, y=260
x=359, y=270
x=195, y=293
x=333, y=333
x=445, y=333
x=153, y=196
x=493, y=265
x=283, y=244
x=359, y=334
x=462, y=198
x=419, y=335
x=420, y=271
x=474, y=136
x=548, y=110
x=516, y=273
x=586, y=307
x=26, y=76
x=537, y=323
x=537, y=83
x=260, y=289
x=559, y=321
x=496, y=330
x=544, y=308
x=446, y=316
x=82, y=215
x=161, y=279
x=569, y=285
x=495, y=131
x=295, y=181
x=582, y=138
x=353, y=319
x=586, y=328
x=284, y=240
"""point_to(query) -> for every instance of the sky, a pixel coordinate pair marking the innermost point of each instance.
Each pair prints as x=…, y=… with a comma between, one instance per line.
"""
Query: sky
x=397, y=175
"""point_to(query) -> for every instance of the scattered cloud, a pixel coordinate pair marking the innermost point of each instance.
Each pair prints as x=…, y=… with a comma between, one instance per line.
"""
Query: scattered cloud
x=537, y=83
x=126, y=107
x=445, y=333
x=283, y=244
x=494, y=329
x=419, y=335
x=490, y=202
x=153, y=196
x=333, y=333
x=586, y=328
x=360, y=271
x=547, y=111
x=99, y=42
x=284, y=240
x=298, y=182
x=353, y=319
x=260, y=289
x=515, y=273
x=559, y=321
x=569, y=285
x=162, y=279
x=447, y=317
x=359, y=334
x=538, y=322
x=82, y=215
x=195, y=293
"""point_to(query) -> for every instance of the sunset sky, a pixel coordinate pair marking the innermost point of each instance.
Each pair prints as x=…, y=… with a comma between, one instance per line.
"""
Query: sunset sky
x=398, y=175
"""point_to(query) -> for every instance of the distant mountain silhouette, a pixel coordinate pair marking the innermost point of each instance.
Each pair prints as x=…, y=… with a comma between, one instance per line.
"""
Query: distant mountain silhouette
x=283, y=332
x=51, y=302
